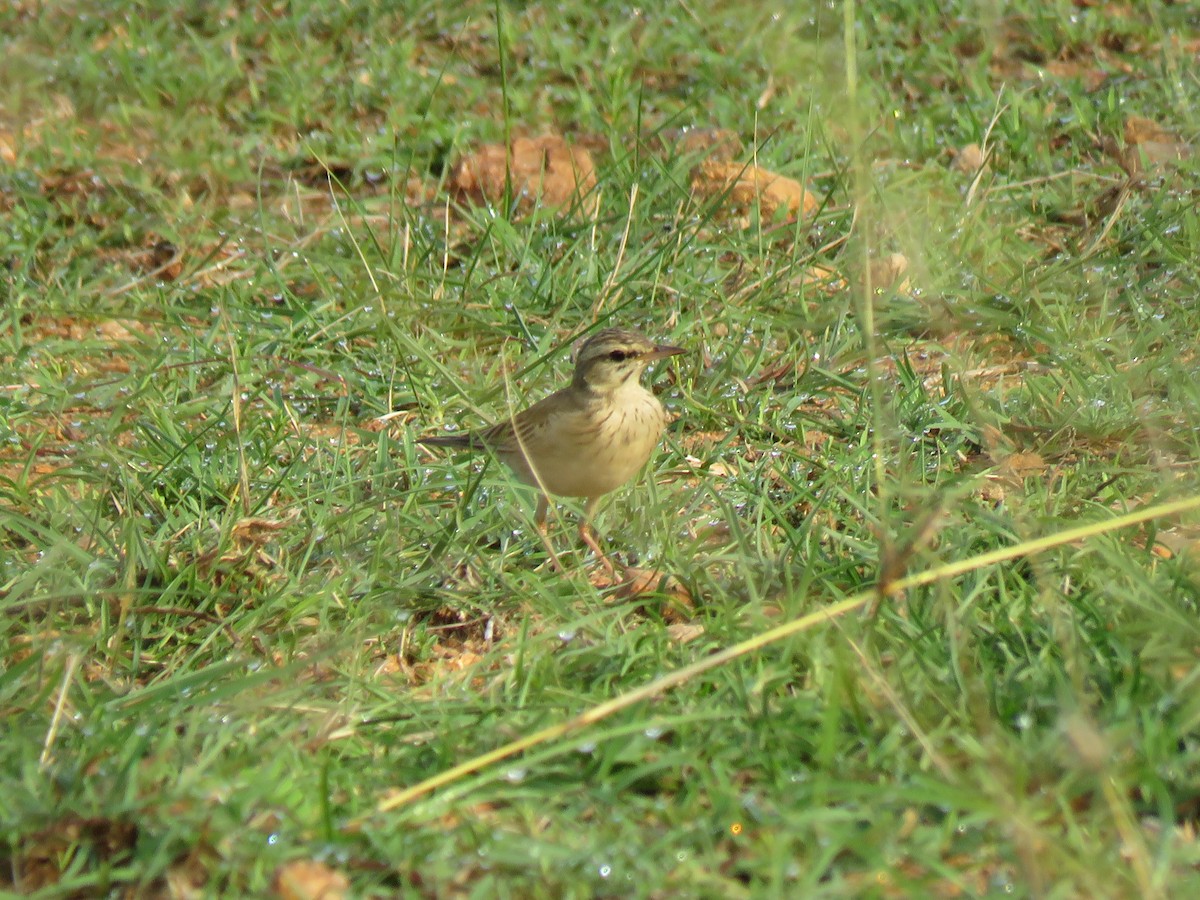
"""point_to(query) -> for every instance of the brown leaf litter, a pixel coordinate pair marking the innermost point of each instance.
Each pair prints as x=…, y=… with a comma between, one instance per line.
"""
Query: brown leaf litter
x=715, y=144
x=546, y=172
x=1149, y=146
x=743, y=188
x=634, y=583
x=306, y=879
x=44, y=855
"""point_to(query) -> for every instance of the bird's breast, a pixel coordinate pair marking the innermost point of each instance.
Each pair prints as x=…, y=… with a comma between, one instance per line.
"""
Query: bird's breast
x=596, y=447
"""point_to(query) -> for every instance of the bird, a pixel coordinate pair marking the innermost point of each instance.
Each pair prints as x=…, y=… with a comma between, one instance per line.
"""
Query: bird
x=585, y=440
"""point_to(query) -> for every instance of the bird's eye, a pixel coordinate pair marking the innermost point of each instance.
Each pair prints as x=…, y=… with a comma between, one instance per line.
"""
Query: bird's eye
x=618, y=356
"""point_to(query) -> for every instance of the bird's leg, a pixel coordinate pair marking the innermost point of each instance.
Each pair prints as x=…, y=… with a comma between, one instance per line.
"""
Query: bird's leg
x=539, y=519
x=591, y=539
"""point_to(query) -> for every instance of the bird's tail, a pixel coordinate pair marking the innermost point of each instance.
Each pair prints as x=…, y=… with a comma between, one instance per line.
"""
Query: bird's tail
x=457, y=441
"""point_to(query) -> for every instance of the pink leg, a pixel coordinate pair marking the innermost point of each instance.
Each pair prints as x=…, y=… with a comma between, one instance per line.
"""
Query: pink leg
x=588, y=535
x=539, y=519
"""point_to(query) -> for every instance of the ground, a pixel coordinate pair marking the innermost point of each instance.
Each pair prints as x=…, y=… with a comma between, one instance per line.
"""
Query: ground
x=910, y=606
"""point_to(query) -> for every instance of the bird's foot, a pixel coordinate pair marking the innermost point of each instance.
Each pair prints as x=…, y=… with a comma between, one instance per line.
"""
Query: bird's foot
x=555, y=563
x=588, y=537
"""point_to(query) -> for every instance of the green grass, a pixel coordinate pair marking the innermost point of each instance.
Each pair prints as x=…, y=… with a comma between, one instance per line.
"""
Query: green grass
x=241, y=611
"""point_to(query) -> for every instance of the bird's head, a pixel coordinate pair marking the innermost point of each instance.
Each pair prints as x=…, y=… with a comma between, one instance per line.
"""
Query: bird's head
x=613, y=357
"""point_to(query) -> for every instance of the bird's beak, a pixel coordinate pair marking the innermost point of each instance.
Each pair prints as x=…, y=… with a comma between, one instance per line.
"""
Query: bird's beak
x=664, y=350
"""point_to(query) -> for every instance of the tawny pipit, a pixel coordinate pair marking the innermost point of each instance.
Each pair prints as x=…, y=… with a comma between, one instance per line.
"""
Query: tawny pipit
x=587, y=439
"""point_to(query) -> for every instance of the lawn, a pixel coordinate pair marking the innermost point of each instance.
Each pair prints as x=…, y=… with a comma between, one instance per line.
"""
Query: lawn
x=911, y=605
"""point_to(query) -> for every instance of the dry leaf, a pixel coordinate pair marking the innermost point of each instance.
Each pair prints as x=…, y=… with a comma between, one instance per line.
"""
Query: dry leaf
x=304, y=879
x=684, y=632
x=678, y=605
x=996, y=442
x=1091, y=75
x=115, y=331
x=969, y=159
x=1150, y=146
x=1140, y=130
x=717, y=144
x=8, y=153
x=1178, y=541
x=1016, y=467
x=744, y=187
x=188, y=875
x=258, y=530
x=541, y=172
x=42, y=855
x=887, y=273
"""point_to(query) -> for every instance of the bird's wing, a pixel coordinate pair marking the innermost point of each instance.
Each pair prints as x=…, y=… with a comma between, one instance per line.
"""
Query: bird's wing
x=525, y=428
